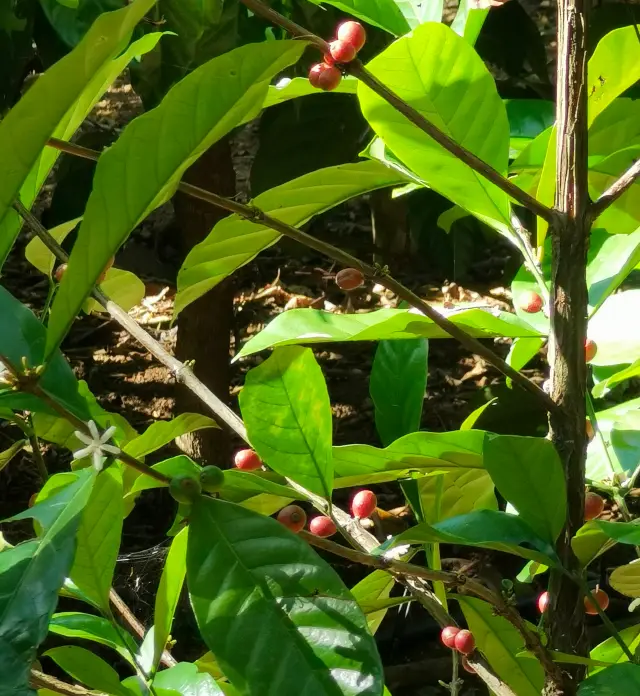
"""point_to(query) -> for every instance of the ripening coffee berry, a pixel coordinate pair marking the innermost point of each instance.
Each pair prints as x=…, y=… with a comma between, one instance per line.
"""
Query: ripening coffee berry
x=58, y=274
x=464, y=642
x=530, y=302
x=591, y=433
x=543, y=602
x=342, y=51
x=325, y=77
x=32, y=500
x=185, y=488
x=363, y=504
x=353, y=33
x=590, y=350
x=466, y=666
x=593, y=506
x=601, y=597
x=349, y=279
x=448, y=636
x=293, y=517
x=322, y=526
x=211, y=479
x=247, y=460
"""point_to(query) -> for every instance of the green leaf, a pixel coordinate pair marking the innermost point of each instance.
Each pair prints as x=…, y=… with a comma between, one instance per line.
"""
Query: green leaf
x=23, y=336
x=469, y=422
x=161, y=433
x=486, y=528
x=145, y=165
x=528, y=473
x=239, y=485
x=590, y=542
x=171, y=582
x=286, y=409
x=99, y=538
x=87, y=668
x=610, y=650
x=234, y=241
x=316, y=326
x=469, y=20
x=304, y=611
x=613, y=68
x=38, y=255
x=522, y=351
x=174, y=466
x=617, y=338
x=382, y=13
x=287, y=88
x=527, y=119
x=186, y=680
x=397, y=387
x=615, y=128
x=620, y=429
x=47, y=109
x=122, y=287
x=619, y=679
x=500, y=643
x=417, y=12
x=626, y=580
x=623, y=217
x=441, y=75
x=375, y=586
x=79, y=626
x=622, y=532
x=606, y=385
x=31, y=575
x=10, y=453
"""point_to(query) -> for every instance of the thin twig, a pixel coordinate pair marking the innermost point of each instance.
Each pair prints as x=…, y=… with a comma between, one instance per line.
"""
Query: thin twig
x=357, y=69
x=40, y=680
x=611, y=195
x=37, y=456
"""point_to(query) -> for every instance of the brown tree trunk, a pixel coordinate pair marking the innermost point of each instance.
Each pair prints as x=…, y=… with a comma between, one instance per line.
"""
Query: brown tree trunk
x=204, y=327
x=570, y=238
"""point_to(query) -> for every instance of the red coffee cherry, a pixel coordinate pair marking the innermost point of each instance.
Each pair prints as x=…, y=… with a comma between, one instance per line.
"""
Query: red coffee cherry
x=601, y=597
x=593, y=506
x=247, y=460
x=464, y=642
x=349, y=279
x=466, y=666
x=543, y=602
x=58, y=274
x=353, y=33
x=590, y=350
x=325, y=77
x=342, y=51
x=448, y=636
x=363, y=504
x=531, y=302
x=322, y=526
x=293, y=517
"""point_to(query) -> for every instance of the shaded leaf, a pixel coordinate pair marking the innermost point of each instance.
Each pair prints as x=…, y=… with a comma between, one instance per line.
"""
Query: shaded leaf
x=161, y=433
x=88, y=669
x=619, y=679
x=10, y=453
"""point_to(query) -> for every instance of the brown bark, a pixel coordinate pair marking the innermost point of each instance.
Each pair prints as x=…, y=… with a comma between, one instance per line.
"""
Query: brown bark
x=570, y=237
x=204, y=327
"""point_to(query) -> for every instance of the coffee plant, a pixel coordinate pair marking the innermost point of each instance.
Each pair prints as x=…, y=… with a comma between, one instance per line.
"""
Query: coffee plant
x=273, y=616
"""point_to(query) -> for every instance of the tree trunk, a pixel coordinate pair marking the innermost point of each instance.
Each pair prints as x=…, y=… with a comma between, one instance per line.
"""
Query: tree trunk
x=204, y=327
x=570, y=238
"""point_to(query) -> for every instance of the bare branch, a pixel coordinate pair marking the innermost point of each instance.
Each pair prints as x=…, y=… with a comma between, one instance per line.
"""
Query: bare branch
x=611, y=195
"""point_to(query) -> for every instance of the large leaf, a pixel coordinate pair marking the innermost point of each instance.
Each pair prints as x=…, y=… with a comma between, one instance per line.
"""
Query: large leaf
x=277, y=617
x=375, y=586
x=88, y=669
x=45, y=108
x=500, y=643
x=619, y=679
x=186, y=679
x=619, y=426
x=456, y=492
x=38, y=254
x=617, y=338
x=317, y=326
x=469, y=19
x=161, y=433
x=234, y=241
x=286, y=409
x=31, y=575
x=528, y=473
x=417, y=12
x=171, y=582
x=99, y=538
x=613, y=68
x=610, y=650
x=145, y=165
x=397, y=387
x=383, y=13
x=623, y=217
x=626, y=580
x=439, y=73
x=617, y=127
x=486, y=528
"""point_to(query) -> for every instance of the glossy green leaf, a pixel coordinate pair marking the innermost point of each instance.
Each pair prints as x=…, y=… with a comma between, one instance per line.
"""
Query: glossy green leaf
x=79, y=626
x=245, y=570
x=617, y=338
x=375, y=586
x=622, y=532
x=530, y=571
x=623, y=217
x=316, y=326
x=610, y=650
x=234, y=241
x=619, y=679
x=469, y=20
x=286, y=409
x=186, y=680
x=238, y=485
x=146, y=164
x=99, y=538
x=287, y=88
x=522, y=351
x=625, y=579
x=617, y=127
x=417, y=12
x=47, y=109
x=500, y=643
x=171, y=582
x=31, y=575
x=22, y=335
x=606, y=385
x=37, y=253
x=122, y=287
x=589, y=543
x=486, y=528
x=10, y=453
x=613, y=68
x=567, y=658
x=528, y=473
x=440, y=75
x=161, y=433
x=382, y=13
x=397, y=387
x=87, y=668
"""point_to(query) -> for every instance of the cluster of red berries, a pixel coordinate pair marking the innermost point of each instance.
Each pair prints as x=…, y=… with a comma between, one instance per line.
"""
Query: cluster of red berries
x=460, y=640
x=350, y=38
x=600, y=596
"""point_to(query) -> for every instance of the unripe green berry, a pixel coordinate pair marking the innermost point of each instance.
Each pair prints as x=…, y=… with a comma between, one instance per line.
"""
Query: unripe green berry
x=211, y=479
x=185, y=488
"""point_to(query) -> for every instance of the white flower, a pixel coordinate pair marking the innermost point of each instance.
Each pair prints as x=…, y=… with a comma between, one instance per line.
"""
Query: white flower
x=396, y=553
x=96, y=445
